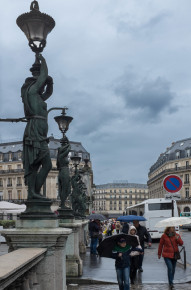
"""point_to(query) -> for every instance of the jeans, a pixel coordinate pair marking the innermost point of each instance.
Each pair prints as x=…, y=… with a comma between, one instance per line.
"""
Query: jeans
x=93, y=245
x=123, y=278
x=171, y=265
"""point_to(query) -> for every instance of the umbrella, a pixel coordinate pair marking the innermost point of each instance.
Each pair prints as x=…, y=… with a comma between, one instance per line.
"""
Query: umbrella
x=96, y=216
x=173, y=222
x=130, y=218
x=106, y=246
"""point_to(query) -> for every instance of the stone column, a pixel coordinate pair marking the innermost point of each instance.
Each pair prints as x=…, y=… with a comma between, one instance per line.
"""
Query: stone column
x=74, y=266
x=51, y=271
x=83, y=233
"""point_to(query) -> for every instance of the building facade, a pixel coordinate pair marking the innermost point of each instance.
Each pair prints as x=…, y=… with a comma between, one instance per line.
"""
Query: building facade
x=12, y=185
x=175, y=160
x=112, y=199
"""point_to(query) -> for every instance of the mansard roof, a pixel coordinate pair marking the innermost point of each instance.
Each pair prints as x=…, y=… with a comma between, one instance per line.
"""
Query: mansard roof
x=54, y=144
x=177, y=150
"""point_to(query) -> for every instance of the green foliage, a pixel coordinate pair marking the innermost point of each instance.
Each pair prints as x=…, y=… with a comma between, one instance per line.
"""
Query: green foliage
x=7, y=224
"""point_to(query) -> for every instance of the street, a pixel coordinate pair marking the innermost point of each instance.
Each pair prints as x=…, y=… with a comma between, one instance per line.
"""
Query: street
x=153, y=277
x=97, y=271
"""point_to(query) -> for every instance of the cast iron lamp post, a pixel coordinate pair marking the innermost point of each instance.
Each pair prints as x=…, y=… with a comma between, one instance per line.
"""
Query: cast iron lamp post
x=34, y=92
x=36, y=26
x=64, y=182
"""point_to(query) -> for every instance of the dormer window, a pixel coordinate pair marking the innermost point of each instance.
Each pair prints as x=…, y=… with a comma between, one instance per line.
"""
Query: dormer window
x=19, y=155
x=178, y=154
x=10, y=156
x=187, y=152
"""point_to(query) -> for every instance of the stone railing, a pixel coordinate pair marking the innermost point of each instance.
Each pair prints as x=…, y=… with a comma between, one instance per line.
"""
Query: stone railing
x=18, y=269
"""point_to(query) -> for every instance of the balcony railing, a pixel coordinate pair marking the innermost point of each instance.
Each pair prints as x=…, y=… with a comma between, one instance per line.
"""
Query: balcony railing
x=166, y=171
x=21, y=274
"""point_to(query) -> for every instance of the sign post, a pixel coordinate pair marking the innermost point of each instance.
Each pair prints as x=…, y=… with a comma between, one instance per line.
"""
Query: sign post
x=172, y=184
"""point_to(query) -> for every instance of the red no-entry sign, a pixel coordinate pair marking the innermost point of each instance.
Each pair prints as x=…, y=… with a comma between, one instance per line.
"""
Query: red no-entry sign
x=172, y=183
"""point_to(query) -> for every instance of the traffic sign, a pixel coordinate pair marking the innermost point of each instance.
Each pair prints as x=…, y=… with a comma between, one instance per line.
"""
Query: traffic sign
x=172, y=183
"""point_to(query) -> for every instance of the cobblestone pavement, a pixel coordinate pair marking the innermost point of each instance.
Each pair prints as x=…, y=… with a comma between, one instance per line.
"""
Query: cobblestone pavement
x=134, y=287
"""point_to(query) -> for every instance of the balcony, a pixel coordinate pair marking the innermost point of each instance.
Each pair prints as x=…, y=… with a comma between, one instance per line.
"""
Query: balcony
x=181, y=169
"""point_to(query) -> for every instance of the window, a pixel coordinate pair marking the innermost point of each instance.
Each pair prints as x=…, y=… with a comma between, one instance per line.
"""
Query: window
x=187, y=152
x=19, y=155
x=19, y=194
x=1, y=181
x=9, y=167
x=19, y=181
x=187, y=192
x=186, y=178
x=18, y=166
x=187, y=164
x=125, y=190
x=9, y=182
x=9, y=194
x=176, y=166
x=10, y=156
x=159, y=206
x=178, y=154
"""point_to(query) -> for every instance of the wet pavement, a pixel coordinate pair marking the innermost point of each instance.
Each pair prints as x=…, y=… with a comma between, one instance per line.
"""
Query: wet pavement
x=101, y=270
x=99, y=273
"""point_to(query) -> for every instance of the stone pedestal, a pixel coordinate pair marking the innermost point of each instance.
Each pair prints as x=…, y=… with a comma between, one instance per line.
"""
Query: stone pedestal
x=74, y=266
x=65, y=214
x=83, y=236
x=51, y=271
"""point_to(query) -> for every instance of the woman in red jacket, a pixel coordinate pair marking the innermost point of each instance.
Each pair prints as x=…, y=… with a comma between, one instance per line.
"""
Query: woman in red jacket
x=168, y=246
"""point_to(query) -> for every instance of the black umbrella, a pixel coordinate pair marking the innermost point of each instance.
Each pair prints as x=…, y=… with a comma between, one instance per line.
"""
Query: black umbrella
x=107, y=245
x=96, y=216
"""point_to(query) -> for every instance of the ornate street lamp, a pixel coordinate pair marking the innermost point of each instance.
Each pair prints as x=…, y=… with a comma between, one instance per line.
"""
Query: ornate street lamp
x=63, y=122
x=75, y=160
x=36, y=26
x=64, y=180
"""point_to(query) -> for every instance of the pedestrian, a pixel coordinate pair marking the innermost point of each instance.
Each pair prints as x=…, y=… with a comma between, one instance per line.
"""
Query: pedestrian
x=94, y=234
x=143, y=235
x=168, y=246
x=118, y=227
x=134, y=256
x=121, y=254
x=109, y=229
x=125, y=228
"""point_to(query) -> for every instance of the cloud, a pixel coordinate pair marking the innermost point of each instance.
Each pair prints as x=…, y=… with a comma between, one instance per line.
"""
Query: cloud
x=149, y=98
x=143, y=27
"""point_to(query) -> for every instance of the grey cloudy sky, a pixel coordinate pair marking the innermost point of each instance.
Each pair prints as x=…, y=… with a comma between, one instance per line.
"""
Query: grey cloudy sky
x=122, y=67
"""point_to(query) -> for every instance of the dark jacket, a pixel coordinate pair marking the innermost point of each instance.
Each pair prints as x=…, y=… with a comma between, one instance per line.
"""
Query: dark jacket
x=93, y=227
x=125, y=228
x=143, y=235
x=124, y=261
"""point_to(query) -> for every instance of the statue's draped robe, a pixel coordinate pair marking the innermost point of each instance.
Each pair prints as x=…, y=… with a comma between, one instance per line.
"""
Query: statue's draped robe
x=35, y=142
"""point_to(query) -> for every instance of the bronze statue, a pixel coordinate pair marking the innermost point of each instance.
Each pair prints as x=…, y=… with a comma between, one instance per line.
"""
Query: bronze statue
x=64, y=183
x=36, y=156
x=78, y=195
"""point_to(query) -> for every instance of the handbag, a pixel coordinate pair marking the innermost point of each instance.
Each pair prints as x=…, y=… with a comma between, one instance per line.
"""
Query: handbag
x=176, y=254
x=95, y=234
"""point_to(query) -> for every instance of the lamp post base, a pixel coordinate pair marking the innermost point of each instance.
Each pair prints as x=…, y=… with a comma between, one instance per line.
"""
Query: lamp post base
x=38, y=209
x=65, y=214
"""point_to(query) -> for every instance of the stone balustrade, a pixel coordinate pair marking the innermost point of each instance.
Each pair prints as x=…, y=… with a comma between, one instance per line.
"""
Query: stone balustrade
x=18, y=269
